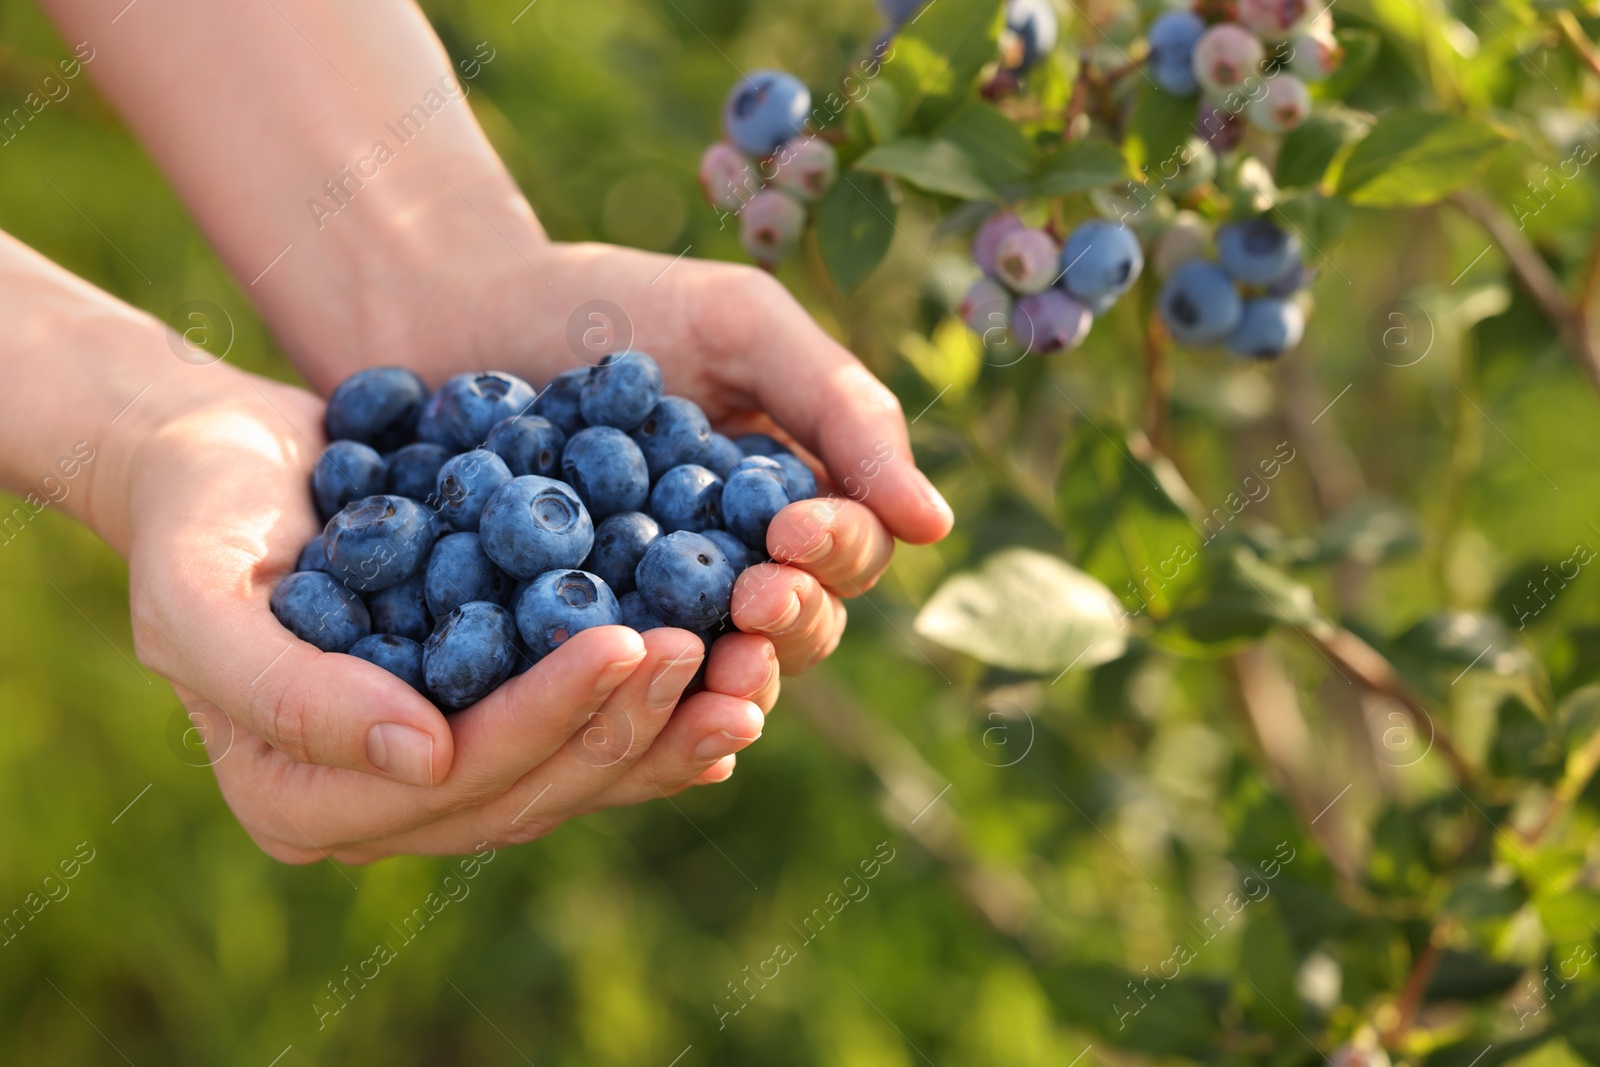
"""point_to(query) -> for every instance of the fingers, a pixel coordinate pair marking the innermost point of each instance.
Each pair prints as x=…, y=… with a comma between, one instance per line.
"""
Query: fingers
x=706, y=730
x=841, y=543
x=791, y=609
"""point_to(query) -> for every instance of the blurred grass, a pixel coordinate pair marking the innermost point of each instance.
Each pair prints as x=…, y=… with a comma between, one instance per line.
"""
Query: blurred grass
x=609, y=942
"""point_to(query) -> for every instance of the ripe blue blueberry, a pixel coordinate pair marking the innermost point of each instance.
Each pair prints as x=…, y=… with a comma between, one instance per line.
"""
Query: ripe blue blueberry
x=799, y=482
x=1199, y=304
x=318, y=610
x=312, y=557
x=632, y=613
x=459, y=572
x=685, y=580
x=558, y=604
x=765, y=109
x=529, y=444
x=607, y=470
x=739, y=557
x=346, y=471
x=466, y=482
x=769, y=464
x=619, y=544
x=760, y=444
x=1029, y=35
x=750, y=499
x=1100, y=259
x=1268, y=328
x=621, y=390
x=377, y=542
x=720, y=455
x=1050, y=321
x=470, y=653
x=674, y=433
x=378, y=407
x=1256, y=251
x=687, y=498
x=400, y=656
x=535, y=524
x=897, y=12
x=1172, y=41
x=464, y=410
x=559, y=401
x=1297, y=277
x=414, y=470
x=401, y=610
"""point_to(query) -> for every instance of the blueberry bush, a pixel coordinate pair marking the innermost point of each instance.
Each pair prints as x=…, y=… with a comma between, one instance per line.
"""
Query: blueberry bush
x=1250, y=715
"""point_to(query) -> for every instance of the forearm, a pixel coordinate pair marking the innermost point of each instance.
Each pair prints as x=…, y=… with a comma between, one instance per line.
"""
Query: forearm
x=327, y=150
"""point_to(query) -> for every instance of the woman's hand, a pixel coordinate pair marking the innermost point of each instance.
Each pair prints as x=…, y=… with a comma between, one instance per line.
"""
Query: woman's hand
x=325, y=754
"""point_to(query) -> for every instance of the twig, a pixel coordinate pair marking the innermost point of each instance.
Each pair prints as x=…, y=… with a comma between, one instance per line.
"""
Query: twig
x=1157, y=384
x=1578, y=41
x=1416, y=986
x=1581, y=767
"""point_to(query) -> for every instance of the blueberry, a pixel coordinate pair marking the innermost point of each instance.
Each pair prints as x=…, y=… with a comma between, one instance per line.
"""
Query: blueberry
x=619, y=544
x=377, y=542
x=559, y=401
x=687, y=498
x=986, y=309
x=378, y=407
x=558, y=604
x=720, y=455
x=739, y=557
x=1050, y=321
x=318, y=610
x=607, y=470
x=769, y=464
x=414, y=470
x=466, y=482
x=346, y=471
x=1268, y=328
x=1199, y=304
x=726, y=177
x=765, y=109
x=1256, y=251
x=632, y=613
x=467, y=406
x=1315, y=53
x=806, y=167
x=459, y=572
x=1172, y=40
x=470, y=653
x=533, y=525
x=898, y=12
x=400, y=656
x=760, y=444
x=1225, y=56
x=1283, y=105
x=1029, y=35
x=1297, y=277
x=401, y=610
x=312, y=557
x=621, y=390
x=749, y=501
x=674, y=433
x=1274, y=19
x=1027, y=260
x=1100, y=259
x=986, y=243
x=770, y=226
x=529, y=444
x=799, y=482
x=685, y=580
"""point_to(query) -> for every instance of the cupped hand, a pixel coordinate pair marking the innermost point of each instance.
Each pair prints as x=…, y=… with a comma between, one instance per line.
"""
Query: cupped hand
x=323, y=754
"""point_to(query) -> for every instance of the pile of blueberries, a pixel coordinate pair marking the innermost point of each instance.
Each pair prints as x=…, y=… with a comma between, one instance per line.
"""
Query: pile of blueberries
x=473, y=530
x=1244, y=299
x=767, y=167
x=1257, y=66
x=1047, y=295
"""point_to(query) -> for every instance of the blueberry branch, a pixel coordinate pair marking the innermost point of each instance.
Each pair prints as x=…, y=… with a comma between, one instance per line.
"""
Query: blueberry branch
x=1578, y=41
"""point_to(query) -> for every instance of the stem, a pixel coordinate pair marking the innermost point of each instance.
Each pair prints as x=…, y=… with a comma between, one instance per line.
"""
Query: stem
x=1416, y=985
x=1578, y=41
x=1581, y=767
x=1157, y=385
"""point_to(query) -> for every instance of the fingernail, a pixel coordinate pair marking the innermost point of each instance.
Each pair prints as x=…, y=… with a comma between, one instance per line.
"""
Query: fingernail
x=403, y=752
x=817, y=552
x=935, y=500
x=613, y=676
x=667, y=685
x=720, y=745
x=787, y=619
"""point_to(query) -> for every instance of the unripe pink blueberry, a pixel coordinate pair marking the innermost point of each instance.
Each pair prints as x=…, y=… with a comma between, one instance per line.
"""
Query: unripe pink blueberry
x=1275, y=19
x=1050, y=321
x=806, y=167
x=995, y=229
x=985, y=307
x=1185, y=239
x=726, y=177
x=770, y=225
x=1027, y=260
x=1225, y=57
x=1317, y=54
x=1283, y=105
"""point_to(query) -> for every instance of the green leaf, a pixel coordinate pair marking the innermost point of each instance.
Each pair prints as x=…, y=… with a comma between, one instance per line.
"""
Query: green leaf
x=1160, y=125
x=1177, y=1018
x=1415, y=157
x=1318, y=219
x=997, y=149
x=1026, y=611
x=1372, y=532
x=932, y=166
x=1477, y=1051
x=1079, y=166
x=934, y=60
x=1469, y=976
x=1361, y=47
x=855, y=223
x=1267, y=962
x=881, y=106
x=1244, y=598
x=1309, y=150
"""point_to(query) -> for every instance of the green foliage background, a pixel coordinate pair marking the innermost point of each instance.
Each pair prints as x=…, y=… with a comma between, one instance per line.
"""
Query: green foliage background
x=1129, y=799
